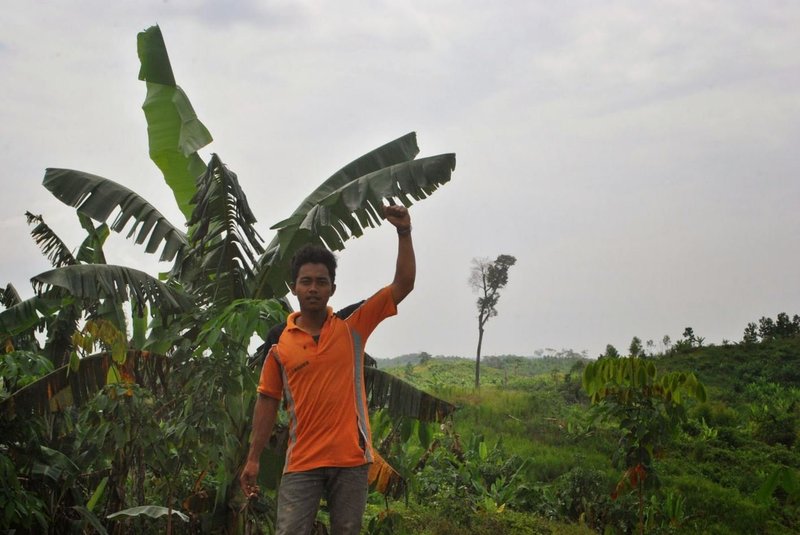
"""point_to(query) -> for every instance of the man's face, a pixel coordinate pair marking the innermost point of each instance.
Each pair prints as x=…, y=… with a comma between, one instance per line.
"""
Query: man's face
x=313, y=287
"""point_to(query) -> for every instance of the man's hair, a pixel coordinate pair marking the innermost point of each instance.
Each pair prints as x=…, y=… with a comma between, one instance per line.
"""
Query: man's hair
x=313, y=254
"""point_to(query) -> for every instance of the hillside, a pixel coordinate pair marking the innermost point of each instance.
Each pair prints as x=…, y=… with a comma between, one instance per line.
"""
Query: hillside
x=535, y=412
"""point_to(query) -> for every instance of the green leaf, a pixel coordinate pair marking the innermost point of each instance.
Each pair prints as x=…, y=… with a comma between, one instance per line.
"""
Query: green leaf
x=350, y=201
x=97, y=494
x=91, y=250
x=173, y=129
x=425, y=435
x=100, y=281
x=139, y=325
x=26, y=314
x=113, y=376
x=99, y=197
x=153, y=511
x=223, y=239
x=91, y=518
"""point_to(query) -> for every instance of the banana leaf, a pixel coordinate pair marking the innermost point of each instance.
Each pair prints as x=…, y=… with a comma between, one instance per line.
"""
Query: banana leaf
x=384, y=390
x=102, y=281
x=174, y=132
x=9, y=297
x=223, y=240
x=63, y=388
x=350, y=201
x=51, y=245
x=98, y=197
x=26, y=314
x=91, y=250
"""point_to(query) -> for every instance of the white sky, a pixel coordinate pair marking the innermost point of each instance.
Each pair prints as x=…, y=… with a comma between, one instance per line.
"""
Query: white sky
x=640, y=159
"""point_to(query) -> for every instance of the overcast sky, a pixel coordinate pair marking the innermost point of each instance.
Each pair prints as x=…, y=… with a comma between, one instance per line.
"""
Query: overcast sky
x=639, y=159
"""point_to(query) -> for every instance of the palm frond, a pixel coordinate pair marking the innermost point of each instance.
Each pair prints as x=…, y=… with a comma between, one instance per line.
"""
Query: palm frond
x=51, y=245
x=102, y=281
x=98, y=197
x=174, y=132
x=384, y=390
x=348, y=203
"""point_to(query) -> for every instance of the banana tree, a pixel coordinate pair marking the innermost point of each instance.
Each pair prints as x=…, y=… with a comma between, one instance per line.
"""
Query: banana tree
x=212, y=300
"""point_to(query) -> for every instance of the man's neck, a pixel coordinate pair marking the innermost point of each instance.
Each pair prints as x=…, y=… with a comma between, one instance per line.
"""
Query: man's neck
x=311, y=322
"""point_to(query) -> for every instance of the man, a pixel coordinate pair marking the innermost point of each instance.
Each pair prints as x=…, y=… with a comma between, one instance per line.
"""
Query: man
x=317, y=365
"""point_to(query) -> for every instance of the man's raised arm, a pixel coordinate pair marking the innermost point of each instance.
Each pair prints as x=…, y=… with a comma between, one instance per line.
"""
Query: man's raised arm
x=406, y=270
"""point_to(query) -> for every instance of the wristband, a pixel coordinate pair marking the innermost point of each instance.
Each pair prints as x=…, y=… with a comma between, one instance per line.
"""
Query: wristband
x=404, y=231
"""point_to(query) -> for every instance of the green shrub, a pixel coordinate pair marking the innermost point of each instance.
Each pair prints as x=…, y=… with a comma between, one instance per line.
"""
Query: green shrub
x=715, y=509
x=716, y=414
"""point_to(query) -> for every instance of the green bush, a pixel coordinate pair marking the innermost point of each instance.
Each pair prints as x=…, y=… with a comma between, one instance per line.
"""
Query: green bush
x=714, y=509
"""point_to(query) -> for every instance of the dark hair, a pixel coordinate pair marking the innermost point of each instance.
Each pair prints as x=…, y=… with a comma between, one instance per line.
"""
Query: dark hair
x=313, y=254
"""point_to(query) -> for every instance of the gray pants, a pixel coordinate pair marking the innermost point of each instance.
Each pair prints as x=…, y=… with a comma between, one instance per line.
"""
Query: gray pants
x=345, y=490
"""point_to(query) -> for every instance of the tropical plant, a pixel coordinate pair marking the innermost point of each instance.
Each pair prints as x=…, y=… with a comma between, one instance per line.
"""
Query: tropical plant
x=225, y=286
x=648, y=408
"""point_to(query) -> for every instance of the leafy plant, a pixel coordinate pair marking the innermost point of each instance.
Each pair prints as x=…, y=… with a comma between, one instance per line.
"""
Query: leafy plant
x=648, y=410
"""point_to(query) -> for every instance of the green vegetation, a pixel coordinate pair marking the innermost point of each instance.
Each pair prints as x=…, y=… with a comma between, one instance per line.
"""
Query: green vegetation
x=721, y=458
x=125, y=399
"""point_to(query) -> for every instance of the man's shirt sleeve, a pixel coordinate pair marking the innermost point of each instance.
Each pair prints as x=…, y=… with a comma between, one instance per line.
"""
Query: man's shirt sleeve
x=374, y=310
x=271, y=381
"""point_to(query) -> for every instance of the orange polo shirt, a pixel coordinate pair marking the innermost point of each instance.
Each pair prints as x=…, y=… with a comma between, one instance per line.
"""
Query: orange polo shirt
x=323, y=386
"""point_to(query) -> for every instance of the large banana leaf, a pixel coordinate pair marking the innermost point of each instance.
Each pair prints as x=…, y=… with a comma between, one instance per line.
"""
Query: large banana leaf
x=100, y=281
x=402, y=399
x=24, y=315
x=98, y=197
x=224, y=242
x=64, y=388
x=348, y=202
x=173, y=129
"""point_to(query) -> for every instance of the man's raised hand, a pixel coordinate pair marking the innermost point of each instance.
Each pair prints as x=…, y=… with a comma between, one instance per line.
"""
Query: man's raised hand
x=398, y=216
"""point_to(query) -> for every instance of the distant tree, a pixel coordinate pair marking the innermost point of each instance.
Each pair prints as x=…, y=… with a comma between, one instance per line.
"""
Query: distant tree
x=688, y=335
x=424, y=357
x=750, y=334
x=635, y=348
x=690, y=340
x=487, y=279
x=766, y=328
x=611, y=352
x=667, y=341
x=650, y=347
x=782, y=327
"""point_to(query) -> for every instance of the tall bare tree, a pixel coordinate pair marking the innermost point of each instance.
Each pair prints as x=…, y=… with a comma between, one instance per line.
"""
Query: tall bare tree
x=487, y=279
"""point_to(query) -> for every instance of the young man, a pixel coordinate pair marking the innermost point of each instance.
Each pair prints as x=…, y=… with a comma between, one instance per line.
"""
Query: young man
x=317, y=366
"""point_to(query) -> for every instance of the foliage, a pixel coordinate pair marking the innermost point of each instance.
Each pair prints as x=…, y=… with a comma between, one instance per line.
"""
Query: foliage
x=157, y=420
x=648, y=409
x=716, y=472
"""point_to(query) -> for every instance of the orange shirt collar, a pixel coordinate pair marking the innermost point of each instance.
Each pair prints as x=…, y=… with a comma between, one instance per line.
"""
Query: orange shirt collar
x=290, y=321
